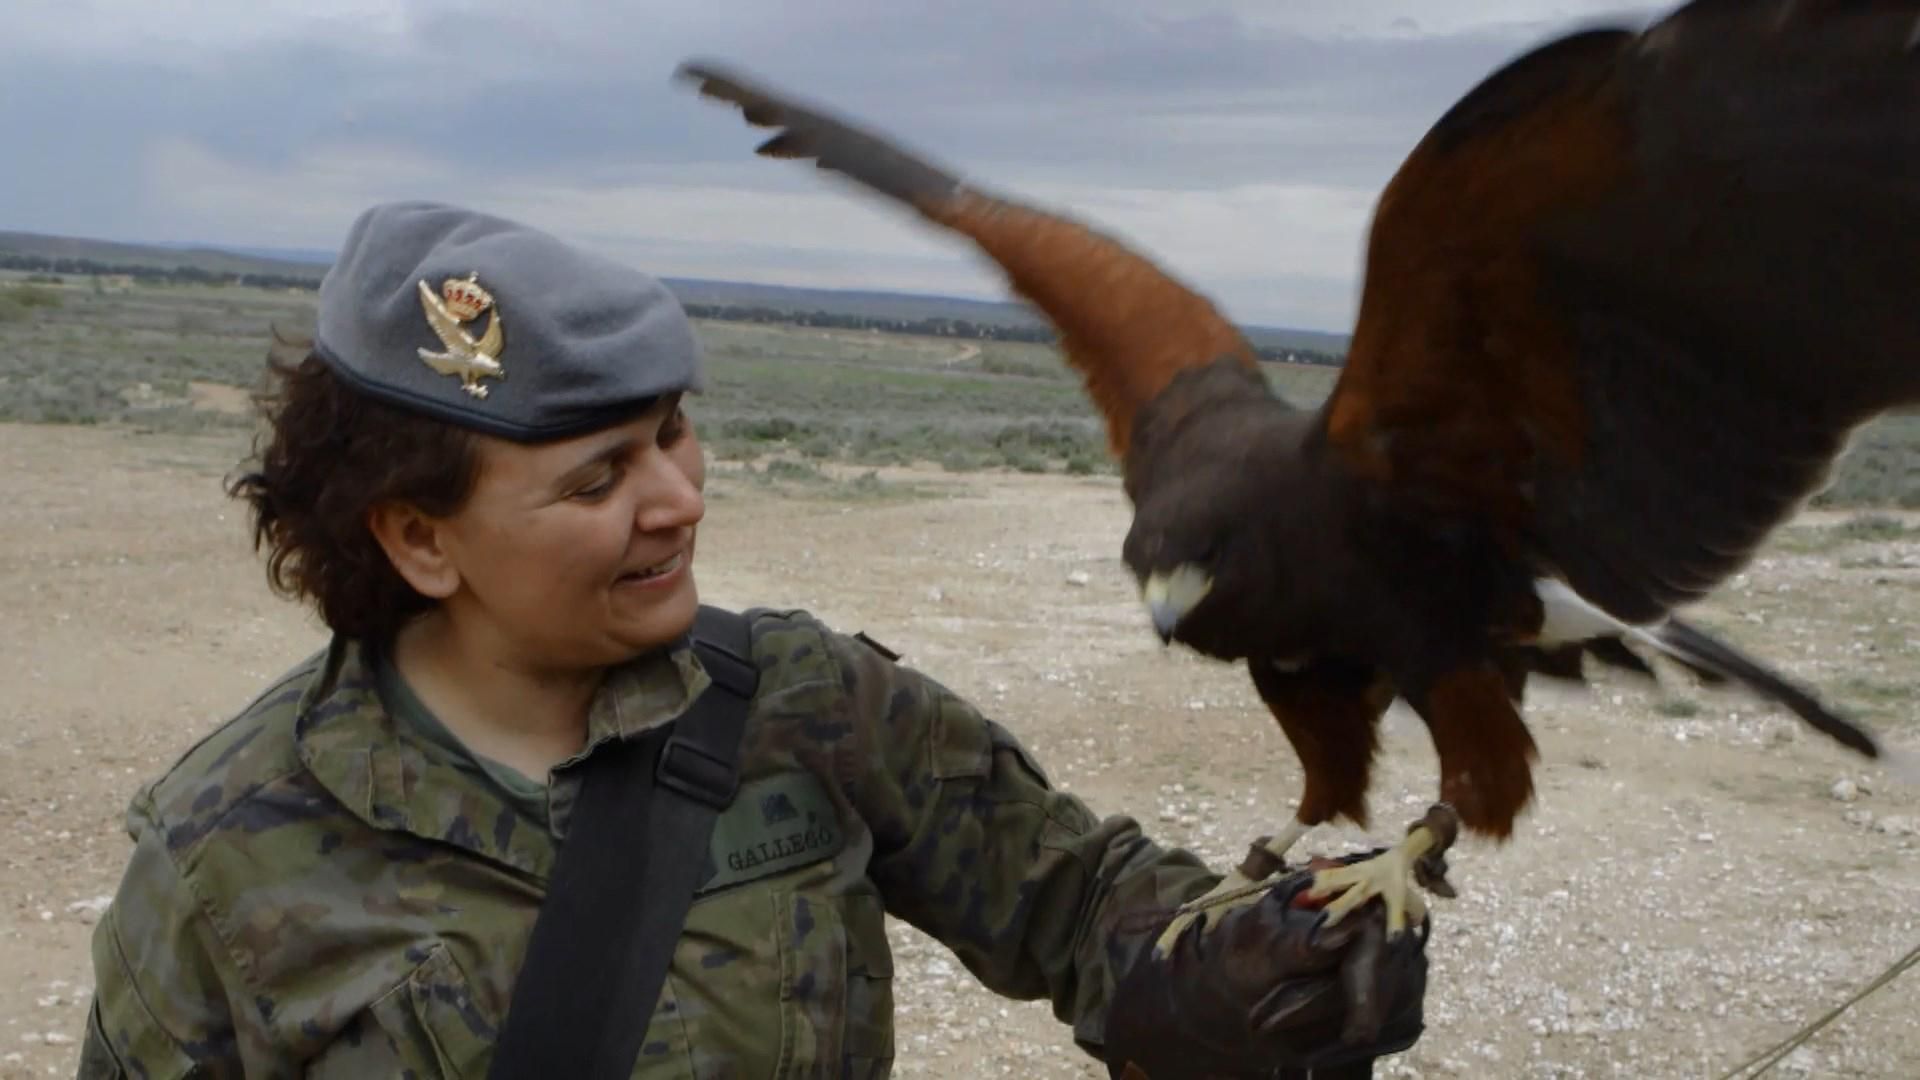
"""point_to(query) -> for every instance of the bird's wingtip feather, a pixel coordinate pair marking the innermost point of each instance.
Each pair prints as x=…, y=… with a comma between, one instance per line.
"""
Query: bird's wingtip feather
x=691, y=72
x=712, y=79
x=696, y=68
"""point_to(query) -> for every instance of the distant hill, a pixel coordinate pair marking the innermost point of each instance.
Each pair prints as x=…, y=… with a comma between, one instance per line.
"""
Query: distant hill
x=920, y=307
x=318, y=256
x=155, y=257
x=277, y=266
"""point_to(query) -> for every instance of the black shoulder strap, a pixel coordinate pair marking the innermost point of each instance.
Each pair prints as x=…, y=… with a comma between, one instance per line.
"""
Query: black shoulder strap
x=635, y=846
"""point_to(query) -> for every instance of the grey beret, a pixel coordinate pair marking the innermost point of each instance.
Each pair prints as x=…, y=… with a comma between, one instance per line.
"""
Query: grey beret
x=497, y=326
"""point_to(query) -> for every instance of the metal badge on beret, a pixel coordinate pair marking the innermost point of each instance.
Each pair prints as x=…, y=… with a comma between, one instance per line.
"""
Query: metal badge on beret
x=469, y=359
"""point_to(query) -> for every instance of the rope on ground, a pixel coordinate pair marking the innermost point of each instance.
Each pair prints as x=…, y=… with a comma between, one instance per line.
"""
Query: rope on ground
x=1772, y=1055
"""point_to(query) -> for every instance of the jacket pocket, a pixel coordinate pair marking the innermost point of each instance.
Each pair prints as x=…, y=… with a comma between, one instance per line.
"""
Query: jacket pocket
x=869, y=1028
x=836, y=984
x=461, y=1035
x=813, y=981
x=428, y=1025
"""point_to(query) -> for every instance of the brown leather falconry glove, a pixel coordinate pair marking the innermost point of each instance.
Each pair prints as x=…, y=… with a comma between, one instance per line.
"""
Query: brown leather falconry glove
x=1264, y=988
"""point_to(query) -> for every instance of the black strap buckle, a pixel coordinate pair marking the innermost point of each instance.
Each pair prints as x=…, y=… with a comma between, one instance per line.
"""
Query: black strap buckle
x=696, y=772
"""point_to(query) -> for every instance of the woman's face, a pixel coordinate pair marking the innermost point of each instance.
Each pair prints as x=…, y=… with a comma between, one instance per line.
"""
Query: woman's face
x=579, y=553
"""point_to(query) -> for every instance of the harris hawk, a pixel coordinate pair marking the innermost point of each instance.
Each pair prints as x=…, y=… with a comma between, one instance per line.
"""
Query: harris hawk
x=1624, y=304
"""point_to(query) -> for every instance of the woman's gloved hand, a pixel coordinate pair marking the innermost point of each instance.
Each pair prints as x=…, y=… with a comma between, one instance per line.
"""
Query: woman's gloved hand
x=1249, y=990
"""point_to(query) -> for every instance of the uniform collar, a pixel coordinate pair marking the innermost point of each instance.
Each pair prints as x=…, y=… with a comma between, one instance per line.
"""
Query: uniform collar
x=382, y=774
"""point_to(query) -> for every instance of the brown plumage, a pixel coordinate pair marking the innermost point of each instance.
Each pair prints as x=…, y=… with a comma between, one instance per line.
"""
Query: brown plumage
x=1118, y=321
x=1623, y=305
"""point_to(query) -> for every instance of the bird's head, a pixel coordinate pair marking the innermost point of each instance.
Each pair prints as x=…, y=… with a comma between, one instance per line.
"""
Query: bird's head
x=1193, y=552
x=1212, y=469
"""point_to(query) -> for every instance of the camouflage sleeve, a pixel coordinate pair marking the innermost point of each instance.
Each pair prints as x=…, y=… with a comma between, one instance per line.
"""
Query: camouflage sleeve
x=160, y=1005
x=1036, y=895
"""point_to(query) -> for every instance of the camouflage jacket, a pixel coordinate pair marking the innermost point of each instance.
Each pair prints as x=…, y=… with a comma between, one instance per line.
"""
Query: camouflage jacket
x=310, y=893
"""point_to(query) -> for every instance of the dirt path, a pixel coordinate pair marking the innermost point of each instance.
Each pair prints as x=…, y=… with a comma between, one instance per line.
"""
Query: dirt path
x=1688, y=890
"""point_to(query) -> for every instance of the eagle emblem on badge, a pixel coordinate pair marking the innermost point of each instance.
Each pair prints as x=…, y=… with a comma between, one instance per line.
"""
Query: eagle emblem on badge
x=462, y=300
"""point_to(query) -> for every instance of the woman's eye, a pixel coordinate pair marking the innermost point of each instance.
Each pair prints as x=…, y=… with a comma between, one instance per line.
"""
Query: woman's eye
x=597, y=489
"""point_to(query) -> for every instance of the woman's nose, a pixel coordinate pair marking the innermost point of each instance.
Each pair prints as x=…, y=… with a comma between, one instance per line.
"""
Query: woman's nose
x=671, y=498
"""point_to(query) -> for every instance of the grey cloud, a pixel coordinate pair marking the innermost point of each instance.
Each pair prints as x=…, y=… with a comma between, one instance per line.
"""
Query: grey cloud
x=994, y=83
x=566, y=94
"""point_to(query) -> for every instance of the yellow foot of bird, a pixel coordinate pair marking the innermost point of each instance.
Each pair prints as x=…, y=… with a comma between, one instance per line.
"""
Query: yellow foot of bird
x=1393, y=875
x=1245, y=884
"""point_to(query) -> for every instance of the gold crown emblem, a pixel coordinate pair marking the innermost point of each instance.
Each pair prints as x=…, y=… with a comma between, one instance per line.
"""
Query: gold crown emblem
x=465, y=298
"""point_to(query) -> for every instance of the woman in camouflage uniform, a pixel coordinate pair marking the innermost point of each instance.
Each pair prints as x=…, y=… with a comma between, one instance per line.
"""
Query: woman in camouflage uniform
x=482, y=478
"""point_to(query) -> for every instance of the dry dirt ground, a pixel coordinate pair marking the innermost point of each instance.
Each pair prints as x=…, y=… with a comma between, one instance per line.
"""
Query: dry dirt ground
x=1689, y=888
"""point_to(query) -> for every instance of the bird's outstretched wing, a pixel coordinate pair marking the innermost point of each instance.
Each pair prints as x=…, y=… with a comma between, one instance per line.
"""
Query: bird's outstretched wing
x=490, y=342
x=1628, y=298
x=445, y=326
x=1126, y=324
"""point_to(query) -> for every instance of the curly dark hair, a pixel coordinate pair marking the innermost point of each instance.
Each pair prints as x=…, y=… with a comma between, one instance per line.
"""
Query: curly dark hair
x=329, y=454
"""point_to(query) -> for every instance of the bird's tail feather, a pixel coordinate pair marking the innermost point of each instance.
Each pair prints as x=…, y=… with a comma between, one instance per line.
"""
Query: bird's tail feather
x=1699, y=650
x=1571, y=619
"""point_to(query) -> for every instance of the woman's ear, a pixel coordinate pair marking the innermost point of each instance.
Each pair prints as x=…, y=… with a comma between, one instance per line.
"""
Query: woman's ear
x=414, y=545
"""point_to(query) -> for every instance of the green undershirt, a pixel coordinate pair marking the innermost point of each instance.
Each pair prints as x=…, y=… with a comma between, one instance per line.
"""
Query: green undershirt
x=527, y=795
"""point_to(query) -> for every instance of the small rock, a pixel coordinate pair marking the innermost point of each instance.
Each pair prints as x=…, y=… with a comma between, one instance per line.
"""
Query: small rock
x=13, y=1057
x=1801, y=1062
x=1079, y=578
x=58, y=1038
x=89, y=910
x=1862, y=818
x=937, y=595
x=1845, y=790
x=1896, y=825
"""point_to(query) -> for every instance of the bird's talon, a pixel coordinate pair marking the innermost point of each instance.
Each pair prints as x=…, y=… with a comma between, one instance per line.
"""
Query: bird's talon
x=1415, y=914
x=1164, y=945
x=1395, y=876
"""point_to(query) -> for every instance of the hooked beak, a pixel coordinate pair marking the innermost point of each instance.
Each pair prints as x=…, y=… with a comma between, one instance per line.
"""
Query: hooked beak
x=1171, y=595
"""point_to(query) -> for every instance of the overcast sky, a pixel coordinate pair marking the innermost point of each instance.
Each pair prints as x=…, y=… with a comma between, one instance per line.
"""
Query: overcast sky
x=1242, y=142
